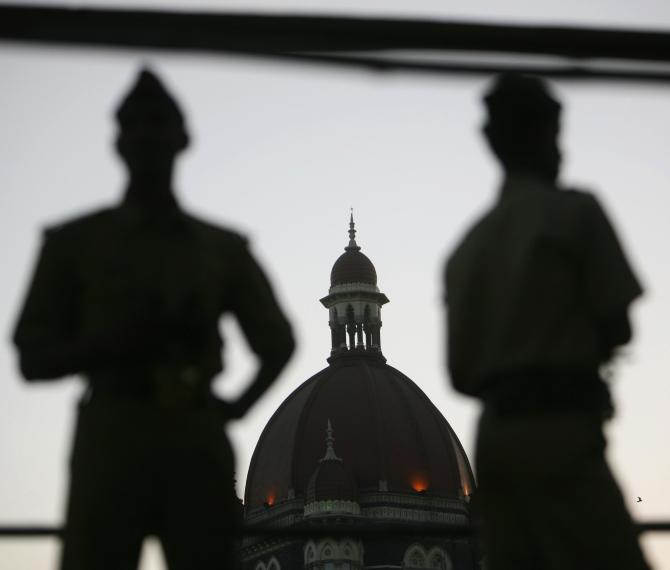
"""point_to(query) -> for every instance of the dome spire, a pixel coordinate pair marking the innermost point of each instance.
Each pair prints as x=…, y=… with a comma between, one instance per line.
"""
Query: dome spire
x=353, y=246
x=330, y=440
x=354, y=302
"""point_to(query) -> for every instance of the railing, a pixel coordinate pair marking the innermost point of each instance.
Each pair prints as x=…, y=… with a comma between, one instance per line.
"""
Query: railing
x=304, y=531
x=368, y=43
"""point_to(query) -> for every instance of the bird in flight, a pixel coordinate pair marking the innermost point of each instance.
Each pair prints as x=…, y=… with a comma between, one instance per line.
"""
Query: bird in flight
x=639, y=500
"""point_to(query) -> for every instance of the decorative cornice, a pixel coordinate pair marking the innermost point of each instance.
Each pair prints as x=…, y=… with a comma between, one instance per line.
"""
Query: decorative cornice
x=354, y=295
x=370, y=505
x=353, y=287
x=332, y=507
x=358, y=352
x=414, y=515
x=417, y=501
x=275, y=514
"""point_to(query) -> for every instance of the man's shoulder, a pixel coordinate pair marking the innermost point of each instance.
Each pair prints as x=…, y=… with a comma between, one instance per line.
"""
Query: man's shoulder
x=474, y=233
x=468, y=247
x=215, y=233
x=574, y=196
x=584, y=200
x=558, y=204
x=547, y=210
x=571, y=209
x=79, y=226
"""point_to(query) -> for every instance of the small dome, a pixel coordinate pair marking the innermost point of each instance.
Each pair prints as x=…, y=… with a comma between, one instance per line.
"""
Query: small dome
x=331, y=481
x=353, y=267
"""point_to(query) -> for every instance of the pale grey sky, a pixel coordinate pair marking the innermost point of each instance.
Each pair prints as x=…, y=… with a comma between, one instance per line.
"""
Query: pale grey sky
x=281, y=152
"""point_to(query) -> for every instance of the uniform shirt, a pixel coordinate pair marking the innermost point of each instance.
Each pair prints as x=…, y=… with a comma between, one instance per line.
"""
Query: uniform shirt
x=529, y=285
x=122, y=289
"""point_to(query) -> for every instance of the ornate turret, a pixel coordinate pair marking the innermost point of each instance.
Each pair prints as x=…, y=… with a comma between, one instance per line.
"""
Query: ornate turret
x=354, y=301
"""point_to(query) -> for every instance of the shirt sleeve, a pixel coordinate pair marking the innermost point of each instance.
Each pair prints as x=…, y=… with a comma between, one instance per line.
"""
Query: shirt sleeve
x=255, y=306
x=610, y=282
x=46, y=323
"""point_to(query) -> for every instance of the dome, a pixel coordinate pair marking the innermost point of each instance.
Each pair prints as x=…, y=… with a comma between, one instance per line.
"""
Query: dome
x=353, y=267
x=397, y=461
x=390, y=437
x=331, y=480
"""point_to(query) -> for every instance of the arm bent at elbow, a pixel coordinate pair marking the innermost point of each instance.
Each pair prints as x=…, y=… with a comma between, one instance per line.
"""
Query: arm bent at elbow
x=272, y=362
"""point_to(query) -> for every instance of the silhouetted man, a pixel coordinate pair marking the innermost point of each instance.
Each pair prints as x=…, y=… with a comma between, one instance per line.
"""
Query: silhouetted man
x=131, y=298
x=538, y=293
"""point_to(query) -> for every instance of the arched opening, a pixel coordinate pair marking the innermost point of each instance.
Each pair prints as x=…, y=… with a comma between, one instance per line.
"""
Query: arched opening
x=438, y=559
x=415, y=558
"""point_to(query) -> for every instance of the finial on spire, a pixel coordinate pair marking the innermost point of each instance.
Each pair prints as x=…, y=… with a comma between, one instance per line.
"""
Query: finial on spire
x=352, y=234
x=330, y=450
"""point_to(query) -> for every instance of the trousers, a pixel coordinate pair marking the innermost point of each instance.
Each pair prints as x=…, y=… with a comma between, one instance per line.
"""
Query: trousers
x=137, y=471
x=547, y=498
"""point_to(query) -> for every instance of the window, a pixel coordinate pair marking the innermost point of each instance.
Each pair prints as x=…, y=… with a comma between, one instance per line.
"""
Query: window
x=309, y=553
x=438, y=559
x=415, y=557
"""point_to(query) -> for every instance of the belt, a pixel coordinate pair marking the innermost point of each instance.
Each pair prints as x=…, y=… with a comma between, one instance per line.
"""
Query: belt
x=172, y=387
x=529, y=392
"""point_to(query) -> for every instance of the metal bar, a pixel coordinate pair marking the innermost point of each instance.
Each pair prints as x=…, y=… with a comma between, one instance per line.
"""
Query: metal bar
x=221, y=32
x=304, y=531
x=30, y=531
x=455, y=67
x=653, y=526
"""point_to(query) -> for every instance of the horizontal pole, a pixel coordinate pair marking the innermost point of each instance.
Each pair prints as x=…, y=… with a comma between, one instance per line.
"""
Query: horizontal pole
x=30, y=531
x=304, y=531
x=224, y=32
x=467, y=68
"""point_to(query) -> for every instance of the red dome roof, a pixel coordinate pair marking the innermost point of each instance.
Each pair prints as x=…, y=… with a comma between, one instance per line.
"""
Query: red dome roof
x=387, y=430
x=353, y=267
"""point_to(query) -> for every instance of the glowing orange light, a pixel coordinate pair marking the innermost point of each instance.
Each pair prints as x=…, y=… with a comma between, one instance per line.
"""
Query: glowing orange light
x=419, y=483
x=270, y=499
